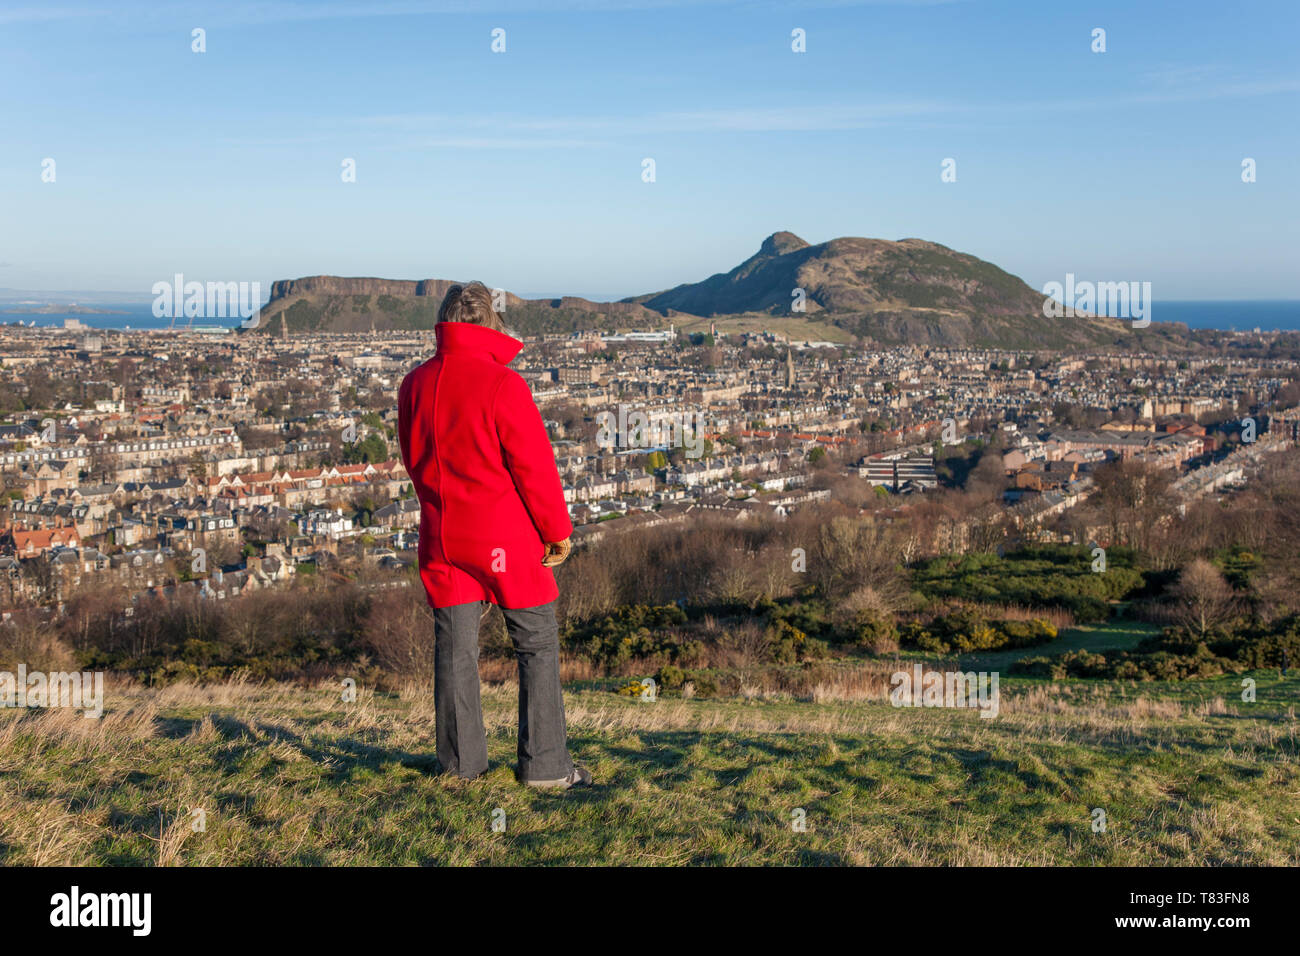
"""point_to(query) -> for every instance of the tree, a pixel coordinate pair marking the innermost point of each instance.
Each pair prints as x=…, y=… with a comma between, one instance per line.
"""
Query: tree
x=371, y=449
x=849, y=553
x=1203, y=597
x=1134, y=496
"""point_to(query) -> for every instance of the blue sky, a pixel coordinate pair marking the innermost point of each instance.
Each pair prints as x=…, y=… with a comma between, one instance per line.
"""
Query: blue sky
x=524, y=168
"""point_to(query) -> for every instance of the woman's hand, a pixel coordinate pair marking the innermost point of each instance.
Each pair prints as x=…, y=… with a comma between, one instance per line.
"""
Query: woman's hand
x=556, y=552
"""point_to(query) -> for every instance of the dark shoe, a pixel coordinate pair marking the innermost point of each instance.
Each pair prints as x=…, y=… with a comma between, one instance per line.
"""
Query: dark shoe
x=577, y=777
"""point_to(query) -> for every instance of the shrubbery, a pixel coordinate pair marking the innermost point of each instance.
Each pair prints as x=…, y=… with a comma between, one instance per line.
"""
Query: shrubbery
x=1178, y=654
x=789, y=645
x=632, y=632
x=673, y=678
x=1048, y=576
x=874, y=633
x=963, y=633
x=301, y=630
x=670, y=677
x=812, y=615
x=632, y=688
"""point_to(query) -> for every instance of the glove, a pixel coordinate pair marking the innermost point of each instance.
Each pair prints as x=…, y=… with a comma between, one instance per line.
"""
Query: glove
x=556, y=552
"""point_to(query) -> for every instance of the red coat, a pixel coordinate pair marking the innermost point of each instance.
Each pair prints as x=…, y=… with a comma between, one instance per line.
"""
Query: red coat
x=478, y=454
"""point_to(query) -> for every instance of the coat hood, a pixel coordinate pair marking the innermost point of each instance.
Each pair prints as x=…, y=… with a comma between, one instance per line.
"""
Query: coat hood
x=468, y=337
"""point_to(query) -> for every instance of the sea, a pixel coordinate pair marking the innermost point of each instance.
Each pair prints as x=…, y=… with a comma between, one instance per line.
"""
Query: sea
x=115, y=315
x=1244, y=315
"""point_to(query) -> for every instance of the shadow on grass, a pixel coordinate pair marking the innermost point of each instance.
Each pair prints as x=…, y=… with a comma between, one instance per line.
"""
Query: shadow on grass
x=343, y=755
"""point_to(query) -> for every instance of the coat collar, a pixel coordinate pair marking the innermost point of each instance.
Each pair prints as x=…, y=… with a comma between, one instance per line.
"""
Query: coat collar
x=468, y=337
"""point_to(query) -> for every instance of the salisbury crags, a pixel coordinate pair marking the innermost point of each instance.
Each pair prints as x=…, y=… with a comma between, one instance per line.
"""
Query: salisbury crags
x=338, y=304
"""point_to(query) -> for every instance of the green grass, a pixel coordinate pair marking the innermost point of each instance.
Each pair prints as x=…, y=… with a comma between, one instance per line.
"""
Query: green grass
x=796, y=327
x=1187, y=774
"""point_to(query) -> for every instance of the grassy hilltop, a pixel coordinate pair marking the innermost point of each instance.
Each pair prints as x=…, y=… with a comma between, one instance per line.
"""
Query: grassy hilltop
x=1186, y=773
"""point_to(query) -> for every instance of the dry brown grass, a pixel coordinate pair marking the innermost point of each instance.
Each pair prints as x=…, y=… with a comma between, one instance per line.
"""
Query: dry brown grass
x=288, y=774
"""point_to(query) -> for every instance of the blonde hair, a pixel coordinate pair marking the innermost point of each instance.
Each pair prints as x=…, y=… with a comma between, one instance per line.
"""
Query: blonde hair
x=471, y=303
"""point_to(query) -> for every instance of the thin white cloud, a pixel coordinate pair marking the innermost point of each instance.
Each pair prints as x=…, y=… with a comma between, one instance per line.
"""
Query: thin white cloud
x=46, y=13
x=490, y=142
x=1244, y=89
x=511, y=131
x=744, y=119
x=571, y=131
x=1178, y=75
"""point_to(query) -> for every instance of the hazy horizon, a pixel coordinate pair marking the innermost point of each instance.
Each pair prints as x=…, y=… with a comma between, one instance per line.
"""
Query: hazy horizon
x=134, y=298
x=136, y=314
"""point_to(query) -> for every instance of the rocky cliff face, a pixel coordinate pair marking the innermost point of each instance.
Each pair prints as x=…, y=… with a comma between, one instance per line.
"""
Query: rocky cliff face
x=341, y=304
x=338, y=285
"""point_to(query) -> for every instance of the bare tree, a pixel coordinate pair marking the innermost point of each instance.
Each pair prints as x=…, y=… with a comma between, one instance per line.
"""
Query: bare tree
x=1203, y=597
x=850, y=553
x=1135, y=498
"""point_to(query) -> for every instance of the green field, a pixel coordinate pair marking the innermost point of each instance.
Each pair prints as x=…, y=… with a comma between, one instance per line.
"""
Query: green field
x=797, y=328
x=287, y=775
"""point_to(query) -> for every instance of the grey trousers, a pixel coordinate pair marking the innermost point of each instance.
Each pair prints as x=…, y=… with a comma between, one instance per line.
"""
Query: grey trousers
x=462, y=741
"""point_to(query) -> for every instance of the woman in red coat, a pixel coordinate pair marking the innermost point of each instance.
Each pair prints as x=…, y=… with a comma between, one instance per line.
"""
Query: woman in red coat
x=493, y=523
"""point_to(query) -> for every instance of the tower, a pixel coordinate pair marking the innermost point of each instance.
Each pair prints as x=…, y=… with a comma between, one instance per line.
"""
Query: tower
x=789, y=369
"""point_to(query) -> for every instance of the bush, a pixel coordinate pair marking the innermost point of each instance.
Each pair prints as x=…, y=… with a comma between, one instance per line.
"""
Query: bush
x=876, y=634
x=689, y=653
x=1177, y=654
x=631, y=688
x=630, y=632
x=789, y=645
x=965, y=632
x=704, y=684
x=670, y=677
x=1045, y=576
x=814, y=649
x=308, y=628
